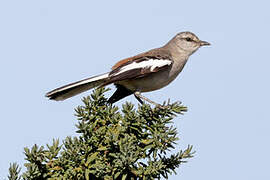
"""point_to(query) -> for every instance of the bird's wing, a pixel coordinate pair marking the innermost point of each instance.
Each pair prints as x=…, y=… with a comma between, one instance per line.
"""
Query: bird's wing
x=141, y=65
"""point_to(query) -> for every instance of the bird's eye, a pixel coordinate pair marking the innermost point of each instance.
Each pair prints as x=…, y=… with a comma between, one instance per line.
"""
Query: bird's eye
x=188, y=39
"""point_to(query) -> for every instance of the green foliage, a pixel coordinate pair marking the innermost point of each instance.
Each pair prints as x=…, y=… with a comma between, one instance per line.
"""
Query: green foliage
x=131, y=144
x=14, y=171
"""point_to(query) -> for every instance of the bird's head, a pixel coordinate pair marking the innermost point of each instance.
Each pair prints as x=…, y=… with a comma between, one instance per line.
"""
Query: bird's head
x=188, y=42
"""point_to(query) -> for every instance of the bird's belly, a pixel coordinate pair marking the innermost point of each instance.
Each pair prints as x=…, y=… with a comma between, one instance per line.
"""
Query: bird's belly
x=149, y=83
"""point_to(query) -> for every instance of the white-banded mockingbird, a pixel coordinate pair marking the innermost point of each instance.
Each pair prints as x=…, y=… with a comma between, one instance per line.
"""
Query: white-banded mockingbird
x=144, y=72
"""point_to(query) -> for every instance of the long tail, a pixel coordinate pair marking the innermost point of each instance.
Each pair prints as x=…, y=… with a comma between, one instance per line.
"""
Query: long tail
x=78, y=87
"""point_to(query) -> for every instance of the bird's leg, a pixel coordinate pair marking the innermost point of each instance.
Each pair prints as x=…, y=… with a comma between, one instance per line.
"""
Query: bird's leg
x=139, y=97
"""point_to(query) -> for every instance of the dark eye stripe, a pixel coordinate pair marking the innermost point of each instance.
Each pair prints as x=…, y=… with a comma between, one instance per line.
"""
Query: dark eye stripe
x=189, y=39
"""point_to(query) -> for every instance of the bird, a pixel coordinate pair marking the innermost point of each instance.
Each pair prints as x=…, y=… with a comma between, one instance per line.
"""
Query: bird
x=145, y=72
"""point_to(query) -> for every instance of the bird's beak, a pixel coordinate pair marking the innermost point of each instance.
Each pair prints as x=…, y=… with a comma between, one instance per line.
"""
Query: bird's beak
x=204, y=43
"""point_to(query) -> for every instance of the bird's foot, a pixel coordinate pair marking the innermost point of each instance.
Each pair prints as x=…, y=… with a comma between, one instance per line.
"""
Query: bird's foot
x=139, y=97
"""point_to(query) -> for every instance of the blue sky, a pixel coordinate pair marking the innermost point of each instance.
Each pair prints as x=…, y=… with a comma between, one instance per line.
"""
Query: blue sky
x=46, y=44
